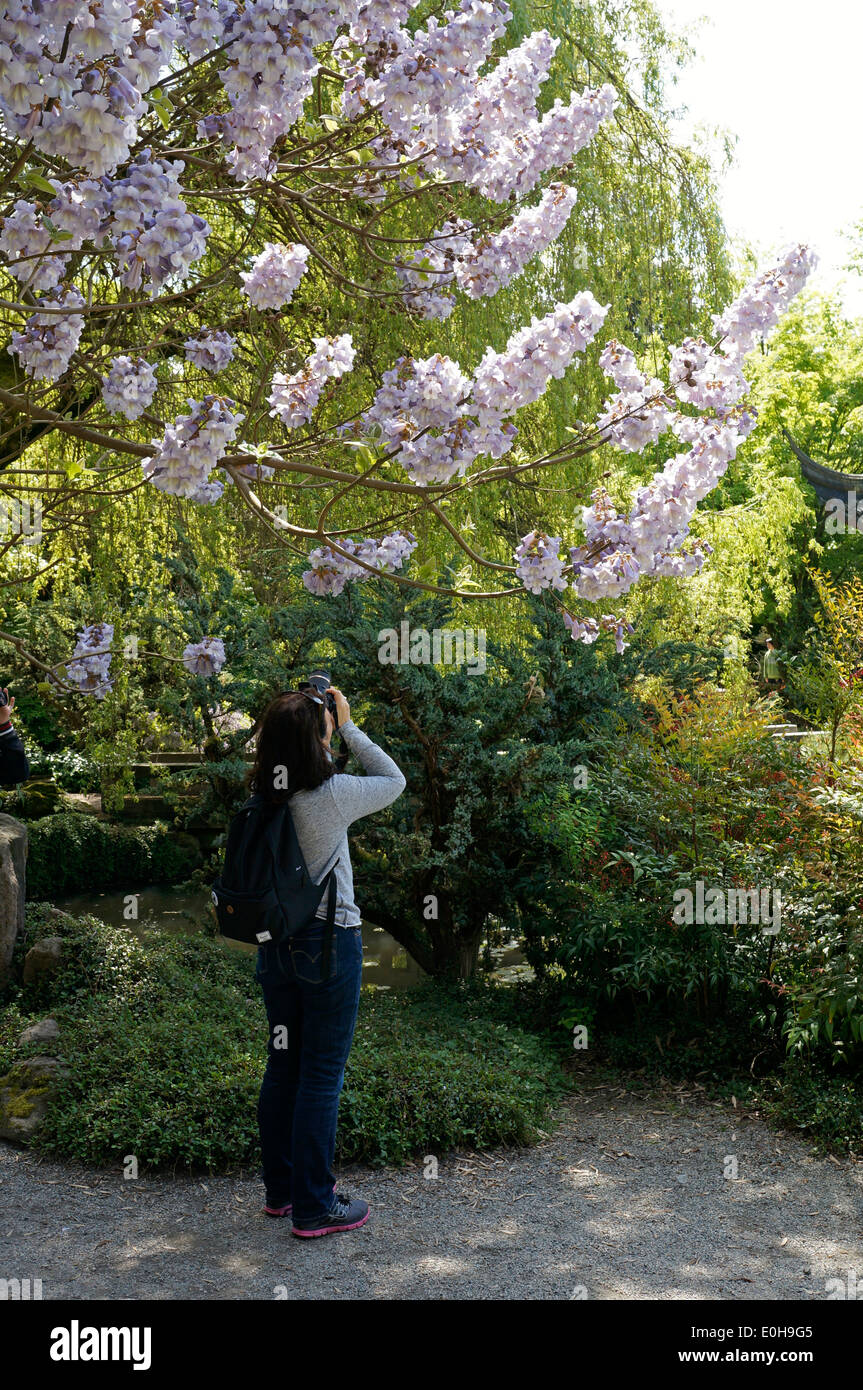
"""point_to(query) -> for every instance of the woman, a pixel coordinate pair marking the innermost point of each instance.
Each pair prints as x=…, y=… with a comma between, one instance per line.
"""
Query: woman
x=312, y=1020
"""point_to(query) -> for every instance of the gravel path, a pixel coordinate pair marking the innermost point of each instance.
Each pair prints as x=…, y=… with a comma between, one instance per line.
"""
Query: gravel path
x=627, y=1199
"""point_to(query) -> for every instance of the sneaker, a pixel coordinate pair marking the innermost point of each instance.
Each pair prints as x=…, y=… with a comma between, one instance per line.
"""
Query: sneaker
x=345, y=1214
x=285, y=1211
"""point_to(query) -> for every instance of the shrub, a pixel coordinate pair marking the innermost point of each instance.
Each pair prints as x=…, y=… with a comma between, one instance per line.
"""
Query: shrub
x=810, y=1097
x=73, y=852
x=165, y=1038
x=68, y=768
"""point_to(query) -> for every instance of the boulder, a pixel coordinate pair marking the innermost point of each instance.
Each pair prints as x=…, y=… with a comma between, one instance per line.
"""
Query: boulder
x=46, y=1030
x=25, y=1094
x=87, y=803
x=43, y=958
x=40, y=796
x=13, y=858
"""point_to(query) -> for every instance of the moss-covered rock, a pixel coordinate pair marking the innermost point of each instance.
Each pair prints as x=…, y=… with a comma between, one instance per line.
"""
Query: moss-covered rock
x=25, y=1095
x=40, y=796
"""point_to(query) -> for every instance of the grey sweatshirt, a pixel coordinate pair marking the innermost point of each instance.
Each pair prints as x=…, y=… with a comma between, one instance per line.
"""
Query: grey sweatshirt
x=322, y=817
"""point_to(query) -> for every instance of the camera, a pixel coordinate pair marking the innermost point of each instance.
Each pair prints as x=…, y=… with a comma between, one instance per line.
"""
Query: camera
x=316, y=686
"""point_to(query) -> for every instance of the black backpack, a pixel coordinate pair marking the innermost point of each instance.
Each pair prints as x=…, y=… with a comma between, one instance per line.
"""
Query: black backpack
x=264, y=893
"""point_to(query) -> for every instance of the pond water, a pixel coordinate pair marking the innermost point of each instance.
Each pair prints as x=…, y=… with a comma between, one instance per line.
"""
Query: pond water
x=386, y=964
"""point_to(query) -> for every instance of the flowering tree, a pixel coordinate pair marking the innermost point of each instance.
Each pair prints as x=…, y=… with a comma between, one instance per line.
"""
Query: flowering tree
x=173, y=170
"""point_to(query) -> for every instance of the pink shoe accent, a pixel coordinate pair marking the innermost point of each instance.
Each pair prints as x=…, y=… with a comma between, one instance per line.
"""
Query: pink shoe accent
x=330, y=1230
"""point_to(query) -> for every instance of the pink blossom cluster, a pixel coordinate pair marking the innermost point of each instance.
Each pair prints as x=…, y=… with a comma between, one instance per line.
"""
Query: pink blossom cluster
x=482, y=131
x=330, y=571
x=433, y=73
x=36, y=238
x=481, y=267
x=129, y=386
x=651, y=539
x=212, y=349
x=539, y=563
x=764, y=300
x=506, y=381
x=439, y=422
x=587, y=630
x=420, y=410
x=293, y=398
x=377, y=22
x=498, y=259
x=274, y=275
x=90, y=663
x=271, y=66
x=427, y=274
x=76, y=98
x=49, y=339
x=204, y=658
x=155, y=237
x=639, y=413
x=143, y=216
x=190, y=448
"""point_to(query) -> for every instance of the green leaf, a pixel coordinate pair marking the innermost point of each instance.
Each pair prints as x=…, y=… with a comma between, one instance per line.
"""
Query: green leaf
x=55, y=232
x=33, y=180
x=365, y=455
x=163, y=107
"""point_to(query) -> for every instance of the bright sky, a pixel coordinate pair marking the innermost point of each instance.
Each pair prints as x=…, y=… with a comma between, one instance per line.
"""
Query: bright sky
x=785, y=77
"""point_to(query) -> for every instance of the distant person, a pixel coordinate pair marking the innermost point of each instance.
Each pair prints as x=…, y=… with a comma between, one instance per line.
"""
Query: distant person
x=771, y=666
x=14, y=766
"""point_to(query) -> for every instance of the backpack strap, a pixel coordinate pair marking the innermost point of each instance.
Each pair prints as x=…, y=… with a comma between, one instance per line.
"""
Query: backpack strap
x=330, y=924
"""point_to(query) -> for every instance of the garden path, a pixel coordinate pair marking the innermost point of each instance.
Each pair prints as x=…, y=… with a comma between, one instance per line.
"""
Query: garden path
x=626, y=1199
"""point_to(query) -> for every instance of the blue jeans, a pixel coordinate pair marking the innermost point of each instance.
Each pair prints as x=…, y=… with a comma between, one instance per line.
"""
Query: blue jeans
x=311, y=1030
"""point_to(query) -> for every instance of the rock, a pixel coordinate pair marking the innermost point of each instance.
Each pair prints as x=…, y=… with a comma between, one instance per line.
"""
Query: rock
x=46, y=1030
x=25, y=1094
x=87, y=803
x=40, y=796
x=144, y=809
x=42, y=958
x=13, y=858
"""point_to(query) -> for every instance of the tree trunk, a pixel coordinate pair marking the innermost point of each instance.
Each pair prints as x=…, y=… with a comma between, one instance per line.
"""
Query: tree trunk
x=456, y=954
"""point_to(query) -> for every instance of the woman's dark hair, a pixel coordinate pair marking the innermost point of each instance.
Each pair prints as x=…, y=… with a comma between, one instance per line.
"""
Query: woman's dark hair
x=289, y=756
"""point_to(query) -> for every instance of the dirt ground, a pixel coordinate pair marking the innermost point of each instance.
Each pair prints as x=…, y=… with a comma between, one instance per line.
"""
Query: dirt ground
x=631, y=1197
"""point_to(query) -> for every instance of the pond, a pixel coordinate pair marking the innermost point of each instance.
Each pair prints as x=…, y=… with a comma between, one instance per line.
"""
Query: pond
x=386, y=964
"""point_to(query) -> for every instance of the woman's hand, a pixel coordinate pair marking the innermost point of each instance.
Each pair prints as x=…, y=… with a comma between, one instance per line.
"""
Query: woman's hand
x=343, y=709
x=6, y=710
